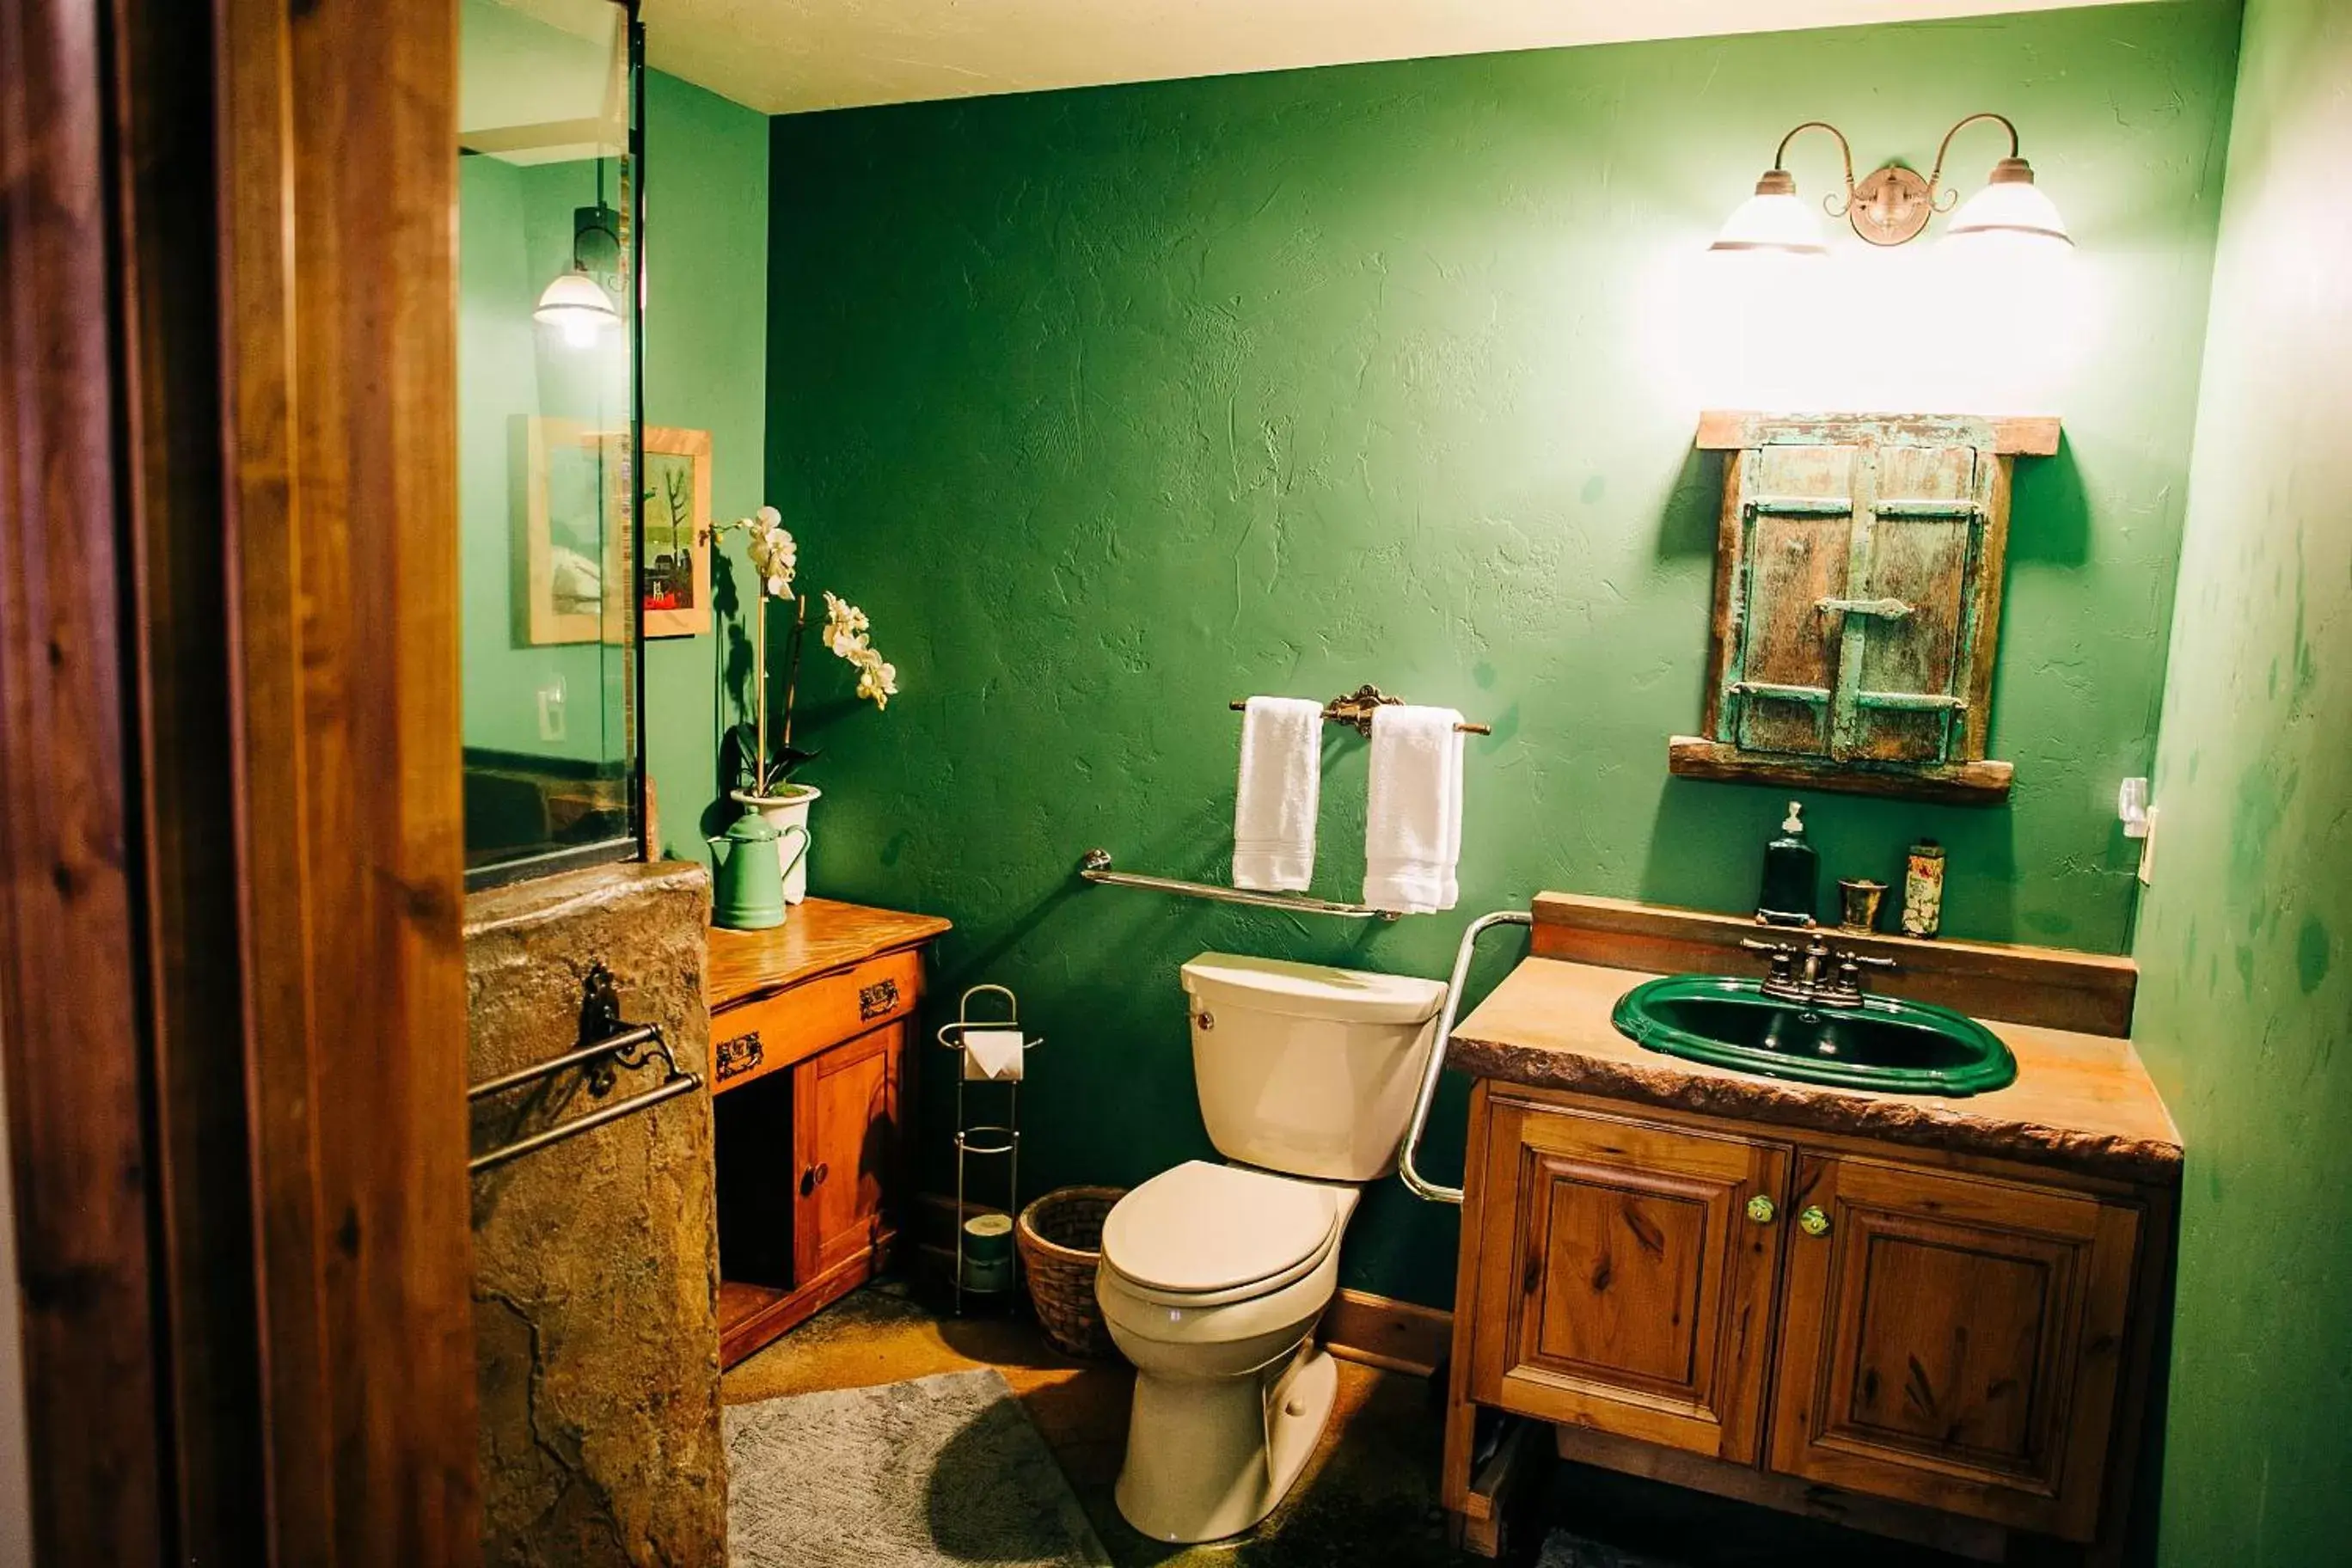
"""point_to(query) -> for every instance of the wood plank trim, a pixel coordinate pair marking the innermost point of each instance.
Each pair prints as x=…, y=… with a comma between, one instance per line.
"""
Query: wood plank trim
x=1954, y=783
x=2053, y=988
x=72, y=964
x=1970, y=1538
x=2021, y=436
x=1379, y=1330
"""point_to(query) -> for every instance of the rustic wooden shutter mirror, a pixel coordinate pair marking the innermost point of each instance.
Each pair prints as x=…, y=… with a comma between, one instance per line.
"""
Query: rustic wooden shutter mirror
x=1857, y=602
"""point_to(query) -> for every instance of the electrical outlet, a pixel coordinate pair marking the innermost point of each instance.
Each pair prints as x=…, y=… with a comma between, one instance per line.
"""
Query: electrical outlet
x=2147, y=850
x=551, y=711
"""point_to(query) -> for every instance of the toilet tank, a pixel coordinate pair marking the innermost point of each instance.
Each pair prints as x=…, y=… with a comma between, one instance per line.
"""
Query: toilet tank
x=1307, y=1071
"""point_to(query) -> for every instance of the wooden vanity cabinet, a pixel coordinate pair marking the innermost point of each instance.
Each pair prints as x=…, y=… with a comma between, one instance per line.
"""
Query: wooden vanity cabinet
x=1624, y=1286
x=1802, y=1310
x=1953, y=1340
x=845, y=1135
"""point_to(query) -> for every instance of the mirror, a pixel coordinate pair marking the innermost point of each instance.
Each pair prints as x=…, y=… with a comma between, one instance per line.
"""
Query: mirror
x=547, y=255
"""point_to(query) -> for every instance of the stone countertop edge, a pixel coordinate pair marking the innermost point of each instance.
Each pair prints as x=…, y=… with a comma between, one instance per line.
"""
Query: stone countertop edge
x=548, y=898
x=1566, y=1041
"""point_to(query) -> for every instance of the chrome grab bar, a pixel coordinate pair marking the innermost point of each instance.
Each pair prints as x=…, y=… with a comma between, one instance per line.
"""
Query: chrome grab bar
x=622, y=1045
x=1094, y=866
x=1408, y=1162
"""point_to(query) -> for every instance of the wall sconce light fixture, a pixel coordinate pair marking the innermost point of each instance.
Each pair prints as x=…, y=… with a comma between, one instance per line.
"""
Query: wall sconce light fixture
x=576, y=302
x=1892, y=204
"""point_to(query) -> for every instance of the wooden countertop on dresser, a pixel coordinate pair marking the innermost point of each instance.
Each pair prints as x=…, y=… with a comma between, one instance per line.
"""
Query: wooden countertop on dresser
x=821, y=935
x=2080, y=1102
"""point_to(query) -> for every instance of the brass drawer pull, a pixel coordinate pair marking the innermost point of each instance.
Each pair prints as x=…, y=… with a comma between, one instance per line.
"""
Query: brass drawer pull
x=876, y=1000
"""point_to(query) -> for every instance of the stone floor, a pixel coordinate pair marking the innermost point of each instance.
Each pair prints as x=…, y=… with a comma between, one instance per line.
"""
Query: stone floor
x=1369, y=1498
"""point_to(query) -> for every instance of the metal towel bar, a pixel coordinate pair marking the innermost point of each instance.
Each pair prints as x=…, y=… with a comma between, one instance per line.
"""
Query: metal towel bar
x=621, y=1046
x=1094, y=866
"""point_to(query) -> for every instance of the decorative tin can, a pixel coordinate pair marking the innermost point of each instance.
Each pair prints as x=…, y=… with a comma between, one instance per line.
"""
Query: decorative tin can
x=1923, y=889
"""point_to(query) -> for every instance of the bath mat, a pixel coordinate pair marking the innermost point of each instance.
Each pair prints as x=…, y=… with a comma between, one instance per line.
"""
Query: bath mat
x=936, y=1472
x=1562, y=1550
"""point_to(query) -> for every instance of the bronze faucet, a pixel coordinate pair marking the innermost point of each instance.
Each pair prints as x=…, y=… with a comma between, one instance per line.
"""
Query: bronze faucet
x=1827, y=978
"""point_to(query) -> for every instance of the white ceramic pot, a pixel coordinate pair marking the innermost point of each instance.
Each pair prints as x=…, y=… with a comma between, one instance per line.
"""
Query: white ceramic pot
x=790, y=809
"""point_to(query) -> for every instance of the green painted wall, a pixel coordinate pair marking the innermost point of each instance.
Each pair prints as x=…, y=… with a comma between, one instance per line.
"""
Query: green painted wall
x=706, y=369
x=1114, y=405
x=2246, y=995
x=515, y=233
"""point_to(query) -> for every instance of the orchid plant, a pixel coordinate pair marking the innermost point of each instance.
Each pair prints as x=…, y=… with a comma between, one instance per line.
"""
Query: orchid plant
x=775, y=556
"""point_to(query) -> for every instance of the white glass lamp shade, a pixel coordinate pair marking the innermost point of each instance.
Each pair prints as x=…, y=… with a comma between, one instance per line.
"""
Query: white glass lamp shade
x=576, y=305
x=1773, y=220
x=2010, y=204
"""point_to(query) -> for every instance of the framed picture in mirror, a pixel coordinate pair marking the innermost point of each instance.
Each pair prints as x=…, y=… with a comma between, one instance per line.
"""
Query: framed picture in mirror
x=677, y=501
x=574, y=538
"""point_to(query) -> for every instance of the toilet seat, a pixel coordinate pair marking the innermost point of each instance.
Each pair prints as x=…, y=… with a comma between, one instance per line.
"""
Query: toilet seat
x=1202, y=1234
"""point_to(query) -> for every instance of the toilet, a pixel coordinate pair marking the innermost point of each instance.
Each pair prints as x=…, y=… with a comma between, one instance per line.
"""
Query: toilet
x=1214, y=1276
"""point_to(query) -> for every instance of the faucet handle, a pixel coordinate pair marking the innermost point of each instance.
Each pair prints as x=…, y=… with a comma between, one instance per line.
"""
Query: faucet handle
x=1870, y=959
x=1783, y=957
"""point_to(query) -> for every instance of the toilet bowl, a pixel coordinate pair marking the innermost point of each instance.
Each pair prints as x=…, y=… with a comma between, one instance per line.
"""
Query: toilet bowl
x=1214, y=1276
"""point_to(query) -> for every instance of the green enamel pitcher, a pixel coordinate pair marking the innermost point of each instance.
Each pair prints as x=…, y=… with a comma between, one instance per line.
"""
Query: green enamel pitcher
x=748, y=873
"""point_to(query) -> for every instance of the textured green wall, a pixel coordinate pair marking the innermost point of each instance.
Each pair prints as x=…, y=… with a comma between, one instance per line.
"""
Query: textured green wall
x=2246, y=995
x=1114, y=405
x=706, y=369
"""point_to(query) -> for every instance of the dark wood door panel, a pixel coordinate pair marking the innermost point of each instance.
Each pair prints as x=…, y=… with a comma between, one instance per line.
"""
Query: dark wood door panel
x=1625, y=1285
x=1953, y=1340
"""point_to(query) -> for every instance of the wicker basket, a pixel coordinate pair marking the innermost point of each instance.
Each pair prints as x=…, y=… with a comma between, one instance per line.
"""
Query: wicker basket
x=1060, y=1236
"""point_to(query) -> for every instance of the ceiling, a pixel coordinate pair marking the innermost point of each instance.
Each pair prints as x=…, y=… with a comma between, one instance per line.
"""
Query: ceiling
x=785, y=55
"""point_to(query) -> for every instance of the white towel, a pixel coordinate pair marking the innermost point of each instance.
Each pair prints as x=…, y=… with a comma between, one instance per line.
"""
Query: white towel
x=1413, y=823
x=1280, y=789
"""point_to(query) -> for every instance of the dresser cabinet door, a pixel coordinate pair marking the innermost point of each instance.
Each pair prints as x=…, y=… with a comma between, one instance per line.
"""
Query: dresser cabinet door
x=1626, y=1276
x=846, y=1150
x=1953, y=1340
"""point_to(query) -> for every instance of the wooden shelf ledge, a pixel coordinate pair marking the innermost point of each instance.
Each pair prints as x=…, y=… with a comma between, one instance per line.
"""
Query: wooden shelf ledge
x=2053, y=988
x=1954, y=783
x=2010, y=434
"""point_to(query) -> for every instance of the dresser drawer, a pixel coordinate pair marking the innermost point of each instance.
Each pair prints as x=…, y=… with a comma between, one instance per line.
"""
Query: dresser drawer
x=755, y=1037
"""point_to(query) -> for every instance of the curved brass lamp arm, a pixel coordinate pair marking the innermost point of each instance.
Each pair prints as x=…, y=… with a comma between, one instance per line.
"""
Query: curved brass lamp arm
x=1832, y=203
x=1935, y=175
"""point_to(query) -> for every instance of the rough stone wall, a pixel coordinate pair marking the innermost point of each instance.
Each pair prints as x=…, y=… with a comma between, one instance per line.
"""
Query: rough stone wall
x=596, y=1260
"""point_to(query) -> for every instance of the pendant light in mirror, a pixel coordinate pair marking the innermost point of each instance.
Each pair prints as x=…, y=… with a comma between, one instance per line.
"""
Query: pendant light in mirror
x=576, y=305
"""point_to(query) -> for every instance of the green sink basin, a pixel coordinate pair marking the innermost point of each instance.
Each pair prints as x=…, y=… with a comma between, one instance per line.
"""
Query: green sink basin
x=1901, y=1048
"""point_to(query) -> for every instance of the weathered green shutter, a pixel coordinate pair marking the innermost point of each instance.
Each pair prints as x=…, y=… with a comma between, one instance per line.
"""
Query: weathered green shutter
x=1857, y=601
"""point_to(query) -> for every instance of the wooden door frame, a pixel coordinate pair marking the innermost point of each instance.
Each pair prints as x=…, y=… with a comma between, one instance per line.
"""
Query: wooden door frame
x=232, y=990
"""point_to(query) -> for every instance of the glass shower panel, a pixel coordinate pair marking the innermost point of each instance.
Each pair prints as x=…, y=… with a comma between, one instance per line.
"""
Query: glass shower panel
x=547, y=433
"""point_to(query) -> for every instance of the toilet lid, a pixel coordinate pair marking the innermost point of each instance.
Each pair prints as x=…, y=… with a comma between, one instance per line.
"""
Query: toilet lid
x=1203, y=1228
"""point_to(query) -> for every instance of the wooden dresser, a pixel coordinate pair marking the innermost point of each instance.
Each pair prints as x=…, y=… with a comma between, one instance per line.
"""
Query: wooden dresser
x=811, y=1029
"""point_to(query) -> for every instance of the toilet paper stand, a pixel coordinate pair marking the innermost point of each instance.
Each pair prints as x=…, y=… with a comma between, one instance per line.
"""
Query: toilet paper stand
x=985, y=1260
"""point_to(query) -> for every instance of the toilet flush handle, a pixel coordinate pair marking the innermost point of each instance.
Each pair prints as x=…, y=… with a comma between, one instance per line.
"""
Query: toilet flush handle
x=1408, y=1167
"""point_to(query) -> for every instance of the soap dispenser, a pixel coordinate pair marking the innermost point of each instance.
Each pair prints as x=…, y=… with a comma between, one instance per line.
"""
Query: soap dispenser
x=1792, y=884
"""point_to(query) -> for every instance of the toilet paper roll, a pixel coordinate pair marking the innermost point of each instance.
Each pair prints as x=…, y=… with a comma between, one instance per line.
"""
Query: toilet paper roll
x=988, y=1252
x=992, y=1055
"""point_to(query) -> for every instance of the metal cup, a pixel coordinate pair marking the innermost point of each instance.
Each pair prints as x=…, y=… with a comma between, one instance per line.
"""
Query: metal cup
x=1858, y=902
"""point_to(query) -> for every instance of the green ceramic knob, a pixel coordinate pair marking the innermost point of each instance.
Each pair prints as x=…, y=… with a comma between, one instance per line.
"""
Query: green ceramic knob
x=1813, y=1222
x=1761, y=1209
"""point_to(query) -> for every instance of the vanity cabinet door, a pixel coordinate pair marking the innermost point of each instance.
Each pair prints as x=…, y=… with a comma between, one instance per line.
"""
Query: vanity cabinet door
x=1626, y=1276
x=844, y=1150
x=1953, y=1340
